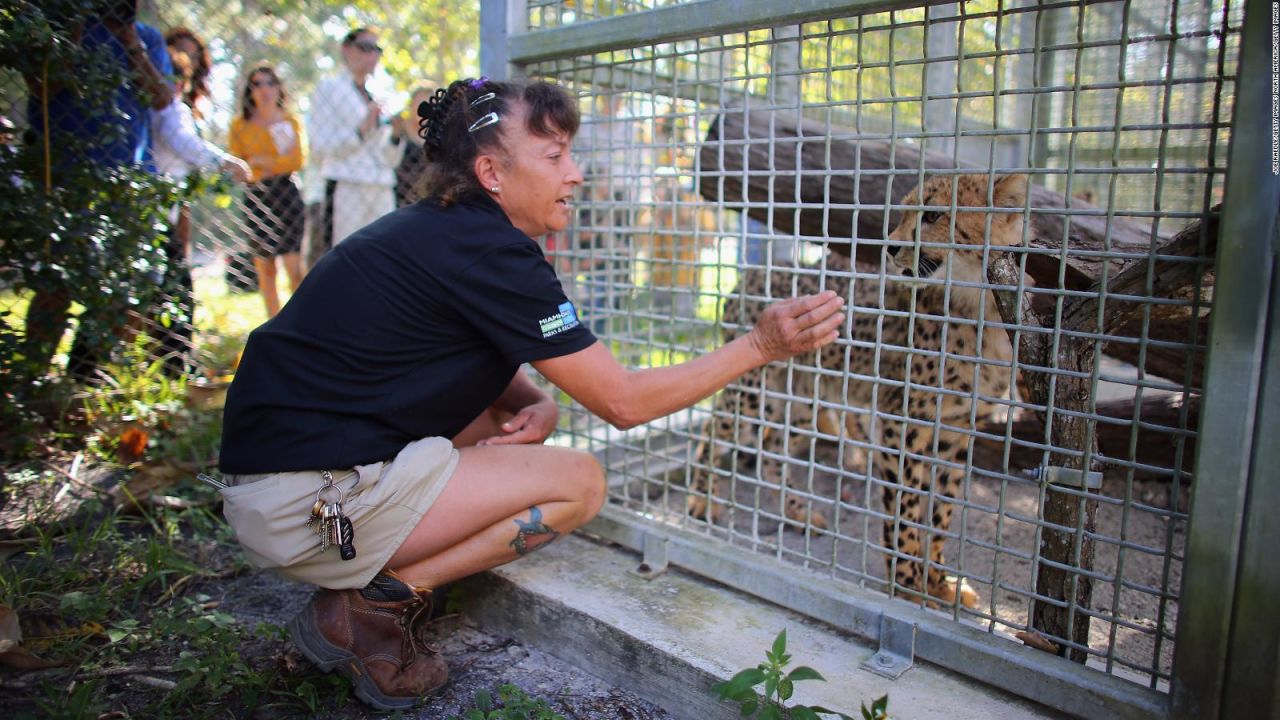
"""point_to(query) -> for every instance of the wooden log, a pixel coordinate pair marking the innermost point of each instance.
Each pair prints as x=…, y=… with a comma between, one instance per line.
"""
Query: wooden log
x=818, y=178
x=1159, y=422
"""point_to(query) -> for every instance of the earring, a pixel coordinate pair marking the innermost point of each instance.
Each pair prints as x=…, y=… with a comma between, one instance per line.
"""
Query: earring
x=494, y=189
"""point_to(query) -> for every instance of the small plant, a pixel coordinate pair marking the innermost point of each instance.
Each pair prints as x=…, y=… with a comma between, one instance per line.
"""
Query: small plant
x=779, y=687
x=512, y=704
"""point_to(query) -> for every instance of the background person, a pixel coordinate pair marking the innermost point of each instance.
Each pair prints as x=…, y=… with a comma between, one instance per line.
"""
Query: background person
x=391, y=383
x=268, y=137
x=188, y=43
x=180, y=151
x=119, y=135
x=354, y=148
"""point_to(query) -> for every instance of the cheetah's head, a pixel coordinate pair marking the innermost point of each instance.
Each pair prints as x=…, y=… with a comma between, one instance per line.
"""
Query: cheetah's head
x=936, y=208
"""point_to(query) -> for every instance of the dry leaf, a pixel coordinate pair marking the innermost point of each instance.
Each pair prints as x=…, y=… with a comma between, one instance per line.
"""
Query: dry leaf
x=21, y=659
x=42, y=632
x=149, y=478
x=132, y=443
x=12, y=653
x=1037, y=641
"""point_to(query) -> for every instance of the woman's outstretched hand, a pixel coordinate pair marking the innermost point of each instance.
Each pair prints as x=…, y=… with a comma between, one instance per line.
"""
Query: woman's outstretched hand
x=795, y=325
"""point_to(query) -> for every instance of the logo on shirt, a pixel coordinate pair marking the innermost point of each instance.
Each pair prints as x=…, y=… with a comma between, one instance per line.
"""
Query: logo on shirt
x=561, y=321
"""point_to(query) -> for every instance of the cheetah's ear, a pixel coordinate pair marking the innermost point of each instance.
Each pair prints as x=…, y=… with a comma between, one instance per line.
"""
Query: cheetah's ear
x=1010, y=190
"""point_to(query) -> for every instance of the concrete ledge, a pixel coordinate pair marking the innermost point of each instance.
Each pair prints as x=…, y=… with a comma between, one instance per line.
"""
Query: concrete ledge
x=670, y=638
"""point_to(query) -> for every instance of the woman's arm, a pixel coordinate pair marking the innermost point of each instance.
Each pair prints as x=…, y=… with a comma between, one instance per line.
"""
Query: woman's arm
x=626, y=398
x=175, y=127
x=148, y=60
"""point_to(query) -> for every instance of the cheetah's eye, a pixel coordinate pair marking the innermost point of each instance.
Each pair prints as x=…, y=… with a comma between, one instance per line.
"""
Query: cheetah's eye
x=930, y=217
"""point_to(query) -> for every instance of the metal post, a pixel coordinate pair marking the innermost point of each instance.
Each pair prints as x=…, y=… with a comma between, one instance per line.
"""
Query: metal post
x=942, y=79
x=1229, y=423
x=499, y=20
x=1253, y=685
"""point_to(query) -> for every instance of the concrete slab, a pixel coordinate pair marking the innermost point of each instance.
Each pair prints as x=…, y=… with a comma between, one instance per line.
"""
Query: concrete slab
x=670, y=638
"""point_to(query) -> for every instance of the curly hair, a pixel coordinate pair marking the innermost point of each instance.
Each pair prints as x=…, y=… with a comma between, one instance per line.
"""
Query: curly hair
x=455, y=126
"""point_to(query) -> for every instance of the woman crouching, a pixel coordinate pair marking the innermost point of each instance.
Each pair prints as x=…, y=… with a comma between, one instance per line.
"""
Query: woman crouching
x=380, y=438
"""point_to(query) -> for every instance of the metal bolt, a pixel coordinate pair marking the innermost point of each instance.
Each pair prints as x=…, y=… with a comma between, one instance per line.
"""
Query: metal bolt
x=883, y=660
x=644, y=568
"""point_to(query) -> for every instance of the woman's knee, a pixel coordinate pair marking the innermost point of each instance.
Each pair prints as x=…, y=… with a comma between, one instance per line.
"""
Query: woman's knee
x=589, y=479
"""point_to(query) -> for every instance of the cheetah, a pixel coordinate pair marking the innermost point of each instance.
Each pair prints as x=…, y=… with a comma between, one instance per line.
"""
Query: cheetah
x=907, y=386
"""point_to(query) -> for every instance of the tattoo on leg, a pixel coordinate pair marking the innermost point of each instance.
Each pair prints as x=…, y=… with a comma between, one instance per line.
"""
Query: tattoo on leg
x=540, y=532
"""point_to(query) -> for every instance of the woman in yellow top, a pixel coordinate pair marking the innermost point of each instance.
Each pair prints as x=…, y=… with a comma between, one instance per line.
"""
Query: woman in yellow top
x=269, y=139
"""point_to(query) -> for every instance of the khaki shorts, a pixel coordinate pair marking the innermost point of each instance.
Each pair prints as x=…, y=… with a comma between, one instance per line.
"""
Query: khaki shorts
x=384, y=501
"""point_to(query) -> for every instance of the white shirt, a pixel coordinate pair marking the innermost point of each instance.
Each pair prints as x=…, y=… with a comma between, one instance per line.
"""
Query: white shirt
x=338, y=152
x=178, y=148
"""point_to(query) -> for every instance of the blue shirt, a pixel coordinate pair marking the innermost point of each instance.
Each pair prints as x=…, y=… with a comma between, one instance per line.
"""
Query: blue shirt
x=129, y=112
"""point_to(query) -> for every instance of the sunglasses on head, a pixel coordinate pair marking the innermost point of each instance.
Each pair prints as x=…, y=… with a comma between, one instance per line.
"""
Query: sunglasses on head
x=367, y=46
x=268, y=82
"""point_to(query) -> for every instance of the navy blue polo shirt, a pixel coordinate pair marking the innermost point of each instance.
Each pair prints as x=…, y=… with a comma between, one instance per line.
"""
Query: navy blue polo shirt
x=407, y=329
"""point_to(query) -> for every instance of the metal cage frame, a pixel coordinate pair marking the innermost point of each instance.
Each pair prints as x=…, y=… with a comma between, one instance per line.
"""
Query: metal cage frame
x=1219, y=667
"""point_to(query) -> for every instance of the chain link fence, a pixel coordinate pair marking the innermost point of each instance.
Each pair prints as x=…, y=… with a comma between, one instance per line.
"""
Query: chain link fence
x=263, y=87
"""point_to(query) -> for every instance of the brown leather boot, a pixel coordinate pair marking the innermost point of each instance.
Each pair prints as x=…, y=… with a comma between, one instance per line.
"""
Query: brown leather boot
x=370, y=636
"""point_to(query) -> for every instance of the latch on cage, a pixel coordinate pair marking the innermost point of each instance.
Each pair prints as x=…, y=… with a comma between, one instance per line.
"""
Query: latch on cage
x=897, y=652
x=1070, y=477
x=655, y=557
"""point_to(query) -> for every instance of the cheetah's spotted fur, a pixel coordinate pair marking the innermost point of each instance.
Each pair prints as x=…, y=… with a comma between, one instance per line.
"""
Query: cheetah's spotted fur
x=927, y=376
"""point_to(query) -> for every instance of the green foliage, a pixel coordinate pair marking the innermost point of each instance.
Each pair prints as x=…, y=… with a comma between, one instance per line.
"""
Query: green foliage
x=779, y=686
x=512, y=704
x=74, y=231
x=130, y=591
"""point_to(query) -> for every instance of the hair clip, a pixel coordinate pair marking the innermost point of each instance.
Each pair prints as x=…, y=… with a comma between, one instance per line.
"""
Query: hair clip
x=483, y=98
x=479, y=82
x=484, y=122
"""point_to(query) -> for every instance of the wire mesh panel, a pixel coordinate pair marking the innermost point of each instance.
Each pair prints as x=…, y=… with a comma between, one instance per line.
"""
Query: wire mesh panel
x=287, y=132
x=1017, y=202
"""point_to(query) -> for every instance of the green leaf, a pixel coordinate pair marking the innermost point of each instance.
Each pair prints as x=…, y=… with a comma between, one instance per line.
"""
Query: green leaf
x=484, y=701
x=749, y=707
x=744, y=680
x=800, y=712
x=780, y=644
x=770, y=687
x=804, y=672
x=770, y=712
x=786, y=689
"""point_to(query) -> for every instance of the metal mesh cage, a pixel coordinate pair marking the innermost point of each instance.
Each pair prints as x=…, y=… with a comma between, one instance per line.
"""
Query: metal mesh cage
x=1005, y=429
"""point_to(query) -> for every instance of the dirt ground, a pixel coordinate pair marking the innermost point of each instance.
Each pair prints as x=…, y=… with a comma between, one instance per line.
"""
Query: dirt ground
x=478, y=660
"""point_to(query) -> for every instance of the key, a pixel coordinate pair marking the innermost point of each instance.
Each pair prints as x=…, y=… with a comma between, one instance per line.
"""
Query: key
x=328, y=526
x=346, y=538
